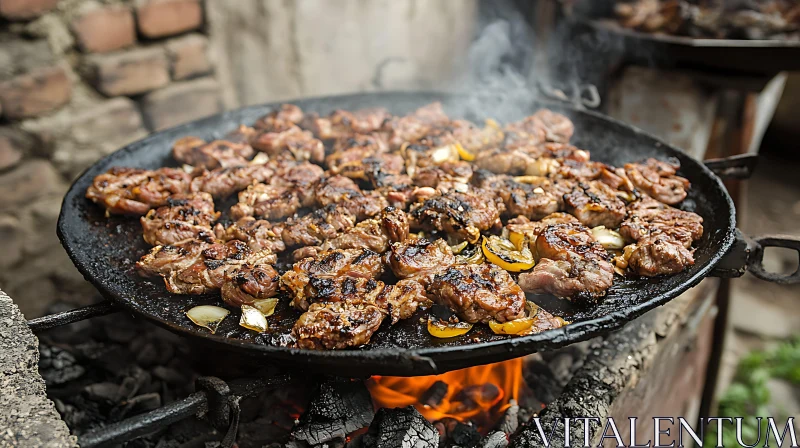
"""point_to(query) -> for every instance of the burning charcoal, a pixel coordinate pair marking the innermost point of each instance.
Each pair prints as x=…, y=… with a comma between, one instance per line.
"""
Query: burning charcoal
x=464, y=435
x=338, y=409
x=510, y=420
x=472, y=397
x=400, y=428
x=58, y=366
x=496, y=439
x=435, y=394
x=540, y=378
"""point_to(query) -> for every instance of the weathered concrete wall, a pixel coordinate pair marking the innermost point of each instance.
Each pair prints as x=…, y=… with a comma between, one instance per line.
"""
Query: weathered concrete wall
x=268, y=50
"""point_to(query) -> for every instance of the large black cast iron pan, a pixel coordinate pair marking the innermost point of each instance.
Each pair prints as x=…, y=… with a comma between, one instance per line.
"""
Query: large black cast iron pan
x=105, y=249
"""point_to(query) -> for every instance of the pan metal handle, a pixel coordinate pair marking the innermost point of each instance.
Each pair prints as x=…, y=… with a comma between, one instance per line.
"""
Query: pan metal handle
x=734, y=167
x=71, y=316
x=747, y=254
x=582, y=96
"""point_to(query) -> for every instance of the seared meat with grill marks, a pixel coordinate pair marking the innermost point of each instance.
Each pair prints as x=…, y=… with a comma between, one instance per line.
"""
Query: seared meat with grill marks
x=463, y=215
x=475, y=139
x=134, y=191
x=531, y=229
x=534, y=199
x=445, y=177
x=249, y=282
x=372, y=234
x=259, y=234
x=186, y=216
x=278, y=119
x=208, y=274
x=655, y=254
x=336, y=325
x=478, y=293
x=595, y=204
x=219, y=153
x=373, y=142
x=293, y=143
x=242, y=134
x=161, y=260
x=658, y=180
x=370, y=166
x=543, y=126
x=418, y=258
x=311, y=275
x=342, y=124
x=320, y=225
x=223, y=182
x=414, y=126
x=342, y=190
x=570, y=262
x=267, y=201
x=650, y=216
x=303, y=176
x=402, y=299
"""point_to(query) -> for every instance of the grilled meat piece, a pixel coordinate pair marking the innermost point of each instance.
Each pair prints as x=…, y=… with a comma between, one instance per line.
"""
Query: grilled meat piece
x=570, y=262
x=336, y=325
x=370, y=166
x=342, y=190
x=278, y=119
x=342, y=124
x=310, y=277
x=208, y=274
x=418, y=258
x=223, y=182
x=478, y=293
x=241, y=135
x=650, y=216
x=219, y=153
x=463, y=215
x=134, y=191
x=656, y=254
x=186, y=216
x=658, y=180
x=474, y=139
x=302, y=176
x=292, y=143
x=267, y=201
x=372, y=234
x=249, y=282
x=531, y=229
x=259, y=234
x=413, y=127
x=543, y=126
x=445, y=177
x=533, y=199
x=161, y=260
x=318, y=226
x=595, y=204
x=402, y=299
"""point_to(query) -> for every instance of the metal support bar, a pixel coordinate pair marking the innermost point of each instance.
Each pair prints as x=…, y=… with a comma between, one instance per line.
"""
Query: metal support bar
x=71, y=316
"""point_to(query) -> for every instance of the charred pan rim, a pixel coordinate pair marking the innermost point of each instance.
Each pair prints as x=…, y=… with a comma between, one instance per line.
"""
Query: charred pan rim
x=399, y=362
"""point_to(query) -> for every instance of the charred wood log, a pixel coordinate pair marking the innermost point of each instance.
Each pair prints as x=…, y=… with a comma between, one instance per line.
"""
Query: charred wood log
x=338, y=409
x=496, y=439
x=400, y=428
x=435, y=394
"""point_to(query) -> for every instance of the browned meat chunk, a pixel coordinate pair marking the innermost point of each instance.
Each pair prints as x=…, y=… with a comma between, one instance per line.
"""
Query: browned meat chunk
x=302, y=176
x=650, y=216
x=278, y=119
x=293, y=143
x=373, y=143
x=478, y=293
x=223, y=182
x=414, y=126
x=242, y=134
x=533, y=199
x=342, y=123
x=445, y=177
x=219, y=153
x=474, y=139
x=318, y=226
x=401, y=300
x=656, y=254
x=186, y=216
x=342, y=190
x=367, y=167
x=531, y=229
x=267, y=201
x=595, y=204
x=161, y=260
x=570, y=263
x=321, y=276
x=249, y=282
x=463, y=215
x=418, y=258
x=336, y=325
x=259, y=234
x=543, y=126
x=134, y=191
x=658, y=180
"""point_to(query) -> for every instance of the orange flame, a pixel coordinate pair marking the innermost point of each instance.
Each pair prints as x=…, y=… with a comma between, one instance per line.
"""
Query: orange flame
x=477, y=394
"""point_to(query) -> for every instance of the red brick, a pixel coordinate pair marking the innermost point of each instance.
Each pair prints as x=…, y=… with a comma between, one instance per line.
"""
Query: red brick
x=10, y=155
x=159, y=18
x=188, y=56
x=25, y=9
x=181, y=102
x=36, y=92
x=105, y=29
x=131, y=72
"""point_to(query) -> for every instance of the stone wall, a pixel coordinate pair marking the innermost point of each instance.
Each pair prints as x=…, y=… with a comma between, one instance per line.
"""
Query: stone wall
x=78, y=80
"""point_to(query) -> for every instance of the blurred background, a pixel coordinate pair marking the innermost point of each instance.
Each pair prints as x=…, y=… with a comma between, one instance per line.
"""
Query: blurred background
x=81, y=78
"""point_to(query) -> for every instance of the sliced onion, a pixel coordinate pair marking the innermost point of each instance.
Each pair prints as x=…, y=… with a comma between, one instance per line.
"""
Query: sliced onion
x=252, y=319
x=608, y=238
x=457, y=248
x=207, y=316
x=542, y=167
x=187, y=168
x=266, y=306
x=444, y=153
x=260, y=159
x=529, y=179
